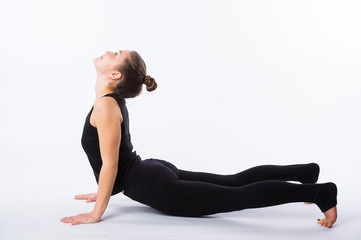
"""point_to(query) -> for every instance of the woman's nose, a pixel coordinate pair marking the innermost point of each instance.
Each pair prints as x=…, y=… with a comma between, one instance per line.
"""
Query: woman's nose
x=108, y=52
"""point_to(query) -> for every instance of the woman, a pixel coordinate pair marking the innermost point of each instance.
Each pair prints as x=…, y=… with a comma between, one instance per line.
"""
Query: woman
x=159, y=184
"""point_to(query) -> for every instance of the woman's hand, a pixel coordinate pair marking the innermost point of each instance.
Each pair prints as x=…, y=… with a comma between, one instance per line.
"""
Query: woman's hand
x=82, y=218
x=91, y=197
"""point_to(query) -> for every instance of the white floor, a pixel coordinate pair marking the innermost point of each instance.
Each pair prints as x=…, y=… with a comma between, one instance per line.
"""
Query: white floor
x=32, y=214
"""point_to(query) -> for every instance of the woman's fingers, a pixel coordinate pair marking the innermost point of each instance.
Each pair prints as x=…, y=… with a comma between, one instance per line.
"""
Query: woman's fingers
x=82, y=218
x=82, y=196
x=66, y=219
x=71, y=219
x=90, y=196
x=91, y=199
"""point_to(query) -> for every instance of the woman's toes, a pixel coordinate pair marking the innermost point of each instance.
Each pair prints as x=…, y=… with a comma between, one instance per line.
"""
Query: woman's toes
x=325, y=223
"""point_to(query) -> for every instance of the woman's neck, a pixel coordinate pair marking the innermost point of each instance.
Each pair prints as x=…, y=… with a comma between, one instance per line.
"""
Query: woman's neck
x=101, y=88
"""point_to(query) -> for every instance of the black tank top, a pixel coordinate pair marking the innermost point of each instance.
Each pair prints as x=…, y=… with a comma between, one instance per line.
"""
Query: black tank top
x=127, y=158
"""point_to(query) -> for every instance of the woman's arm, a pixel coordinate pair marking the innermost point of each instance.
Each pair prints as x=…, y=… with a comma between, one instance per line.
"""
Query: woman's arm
x=107, y=117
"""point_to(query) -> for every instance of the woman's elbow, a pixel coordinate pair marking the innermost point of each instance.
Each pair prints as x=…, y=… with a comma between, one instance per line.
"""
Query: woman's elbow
x=110, y=166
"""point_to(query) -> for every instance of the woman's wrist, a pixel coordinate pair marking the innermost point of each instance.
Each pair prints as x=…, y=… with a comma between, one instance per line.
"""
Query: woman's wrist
x=97, y=214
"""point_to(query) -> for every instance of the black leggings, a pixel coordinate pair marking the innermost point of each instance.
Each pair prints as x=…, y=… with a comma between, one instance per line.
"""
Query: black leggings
x=160, y=185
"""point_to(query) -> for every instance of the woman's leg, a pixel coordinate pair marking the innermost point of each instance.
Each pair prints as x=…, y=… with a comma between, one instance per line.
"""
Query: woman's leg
x=190, y=198
x=304, y=173
x=158, y=185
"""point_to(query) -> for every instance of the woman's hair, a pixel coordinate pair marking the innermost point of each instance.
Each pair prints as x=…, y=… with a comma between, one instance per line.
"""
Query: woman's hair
x=134, y=75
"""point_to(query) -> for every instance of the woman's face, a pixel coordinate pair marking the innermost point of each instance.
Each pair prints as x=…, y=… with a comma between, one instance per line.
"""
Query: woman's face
x=111, y=61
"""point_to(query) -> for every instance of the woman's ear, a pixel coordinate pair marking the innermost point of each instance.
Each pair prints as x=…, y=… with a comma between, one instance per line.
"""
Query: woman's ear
x=116, y=75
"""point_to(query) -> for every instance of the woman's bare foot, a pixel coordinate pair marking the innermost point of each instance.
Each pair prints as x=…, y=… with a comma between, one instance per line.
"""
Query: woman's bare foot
x=330, y=218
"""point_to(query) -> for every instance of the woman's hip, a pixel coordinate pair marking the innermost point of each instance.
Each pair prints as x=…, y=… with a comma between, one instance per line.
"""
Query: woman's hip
x=154, y=177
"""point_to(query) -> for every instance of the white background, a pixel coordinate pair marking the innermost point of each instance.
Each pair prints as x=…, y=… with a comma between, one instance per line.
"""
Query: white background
x=240, y=83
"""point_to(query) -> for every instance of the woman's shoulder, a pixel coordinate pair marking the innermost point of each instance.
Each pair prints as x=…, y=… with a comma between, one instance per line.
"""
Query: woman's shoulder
x=106, y=101
x=107, y=107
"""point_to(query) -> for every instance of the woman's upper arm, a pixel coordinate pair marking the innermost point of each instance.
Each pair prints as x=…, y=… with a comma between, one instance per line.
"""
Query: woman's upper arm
x=108, y=120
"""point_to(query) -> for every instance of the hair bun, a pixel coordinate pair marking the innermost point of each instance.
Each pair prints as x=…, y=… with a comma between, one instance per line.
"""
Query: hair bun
x=150, y=83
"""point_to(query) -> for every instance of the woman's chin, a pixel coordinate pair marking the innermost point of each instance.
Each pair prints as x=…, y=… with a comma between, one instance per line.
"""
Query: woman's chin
x=95, y=61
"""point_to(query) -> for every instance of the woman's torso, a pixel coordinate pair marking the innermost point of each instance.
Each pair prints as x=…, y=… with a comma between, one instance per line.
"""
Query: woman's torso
x=127, y=157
